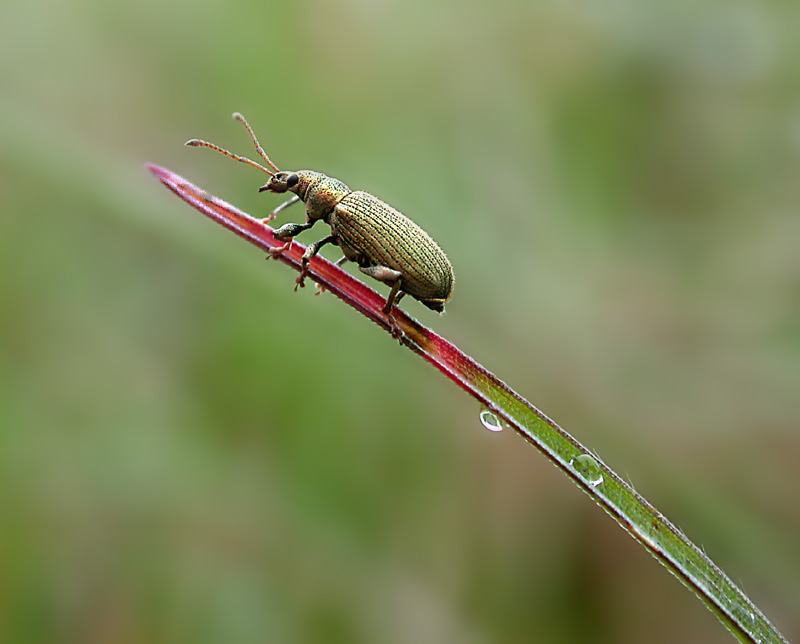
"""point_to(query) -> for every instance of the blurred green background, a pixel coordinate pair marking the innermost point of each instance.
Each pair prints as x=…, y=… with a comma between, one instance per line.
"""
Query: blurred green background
x=191, y=452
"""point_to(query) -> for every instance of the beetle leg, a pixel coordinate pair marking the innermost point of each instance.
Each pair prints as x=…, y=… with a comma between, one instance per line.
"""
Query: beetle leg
x=285, y=233
x=395, y=295
x=290, y=230
x=275, y=253
x=311, y=250
x=387, y=276
x=283, y=206
x=394, y=299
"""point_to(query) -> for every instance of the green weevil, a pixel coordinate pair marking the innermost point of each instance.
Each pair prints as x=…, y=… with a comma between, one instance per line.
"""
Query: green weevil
x=384, y=243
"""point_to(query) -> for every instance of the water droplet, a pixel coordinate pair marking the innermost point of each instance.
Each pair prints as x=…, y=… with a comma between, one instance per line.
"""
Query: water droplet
x=745, y=616
x=490, y=421
x=588, y=469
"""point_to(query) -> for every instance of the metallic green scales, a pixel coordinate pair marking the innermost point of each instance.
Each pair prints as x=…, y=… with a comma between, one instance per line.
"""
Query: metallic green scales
x=372, y=233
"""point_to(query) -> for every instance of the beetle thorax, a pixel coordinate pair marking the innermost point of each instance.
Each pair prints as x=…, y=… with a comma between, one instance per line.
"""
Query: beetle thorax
x=320, y=192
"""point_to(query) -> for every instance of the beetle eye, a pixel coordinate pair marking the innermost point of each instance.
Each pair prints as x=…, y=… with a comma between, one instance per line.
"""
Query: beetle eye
x=291, y=182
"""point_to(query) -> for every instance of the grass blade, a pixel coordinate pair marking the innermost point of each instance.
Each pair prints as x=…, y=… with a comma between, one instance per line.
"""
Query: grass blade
x=630, y=510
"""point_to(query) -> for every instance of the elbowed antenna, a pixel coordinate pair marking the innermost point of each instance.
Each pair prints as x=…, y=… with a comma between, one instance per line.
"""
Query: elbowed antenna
x=254, y=138
x=205, y=144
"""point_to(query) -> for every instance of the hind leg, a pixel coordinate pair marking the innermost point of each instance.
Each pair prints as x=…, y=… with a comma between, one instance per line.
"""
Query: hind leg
x=394, y=278
x=387, y=276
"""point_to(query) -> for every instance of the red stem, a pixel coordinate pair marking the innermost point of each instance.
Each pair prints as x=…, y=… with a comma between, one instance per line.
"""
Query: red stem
x=454, y=363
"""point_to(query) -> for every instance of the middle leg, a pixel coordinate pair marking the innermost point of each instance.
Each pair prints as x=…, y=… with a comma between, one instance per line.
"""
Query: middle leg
x=311, y=250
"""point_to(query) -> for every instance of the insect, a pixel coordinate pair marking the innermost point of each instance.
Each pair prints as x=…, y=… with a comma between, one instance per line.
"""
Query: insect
x=384, y=243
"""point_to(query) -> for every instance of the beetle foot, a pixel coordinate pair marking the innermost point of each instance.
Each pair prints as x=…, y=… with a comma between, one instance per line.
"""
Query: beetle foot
x=394, y=328
x=275, y=253
x=300, y=282
x=320, y=289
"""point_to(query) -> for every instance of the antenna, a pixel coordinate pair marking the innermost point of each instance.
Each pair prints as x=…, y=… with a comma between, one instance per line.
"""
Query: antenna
x=198, y=143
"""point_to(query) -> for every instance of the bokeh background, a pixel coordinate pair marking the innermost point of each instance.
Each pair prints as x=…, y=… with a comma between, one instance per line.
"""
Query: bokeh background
x=191, y=452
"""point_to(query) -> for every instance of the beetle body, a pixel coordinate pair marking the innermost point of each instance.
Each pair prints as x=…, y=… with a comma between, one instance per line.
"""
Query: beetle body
x=375, y=234
x=384, y=243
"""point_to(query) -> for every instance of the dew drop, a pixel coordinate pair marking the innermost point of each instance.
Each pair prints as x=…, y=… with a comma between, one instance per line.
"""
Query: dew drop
x=744, y=616
x=588, y=469
x=490, y=421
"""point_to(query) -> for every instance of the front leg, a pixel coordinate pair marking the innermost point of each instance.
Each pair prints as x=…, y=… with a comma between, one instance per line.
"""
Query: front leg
x=285, y=233
x=284, y=205
x=290, y=230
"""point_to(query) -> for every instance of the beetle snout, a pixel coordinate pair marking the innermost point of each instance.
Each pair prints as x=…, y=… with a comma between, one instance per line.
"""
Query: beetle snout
x=275, y=184
x=280, y=182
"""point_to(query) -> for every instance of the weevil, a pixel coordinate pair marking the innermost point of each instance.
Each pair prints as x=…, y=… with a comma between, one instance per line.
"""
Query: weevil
x=383, y=242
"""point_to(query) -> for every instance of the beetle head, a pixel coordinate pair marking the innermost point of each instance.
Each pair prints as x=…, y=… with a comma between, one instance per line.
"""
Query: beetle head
x=320, y=192
x=296, y=182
